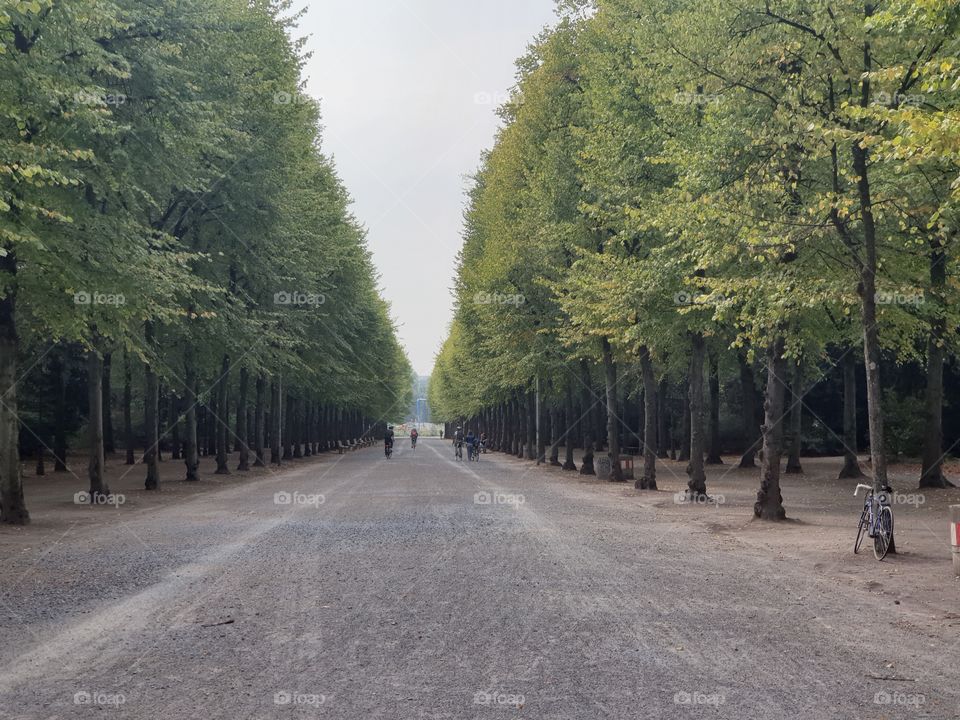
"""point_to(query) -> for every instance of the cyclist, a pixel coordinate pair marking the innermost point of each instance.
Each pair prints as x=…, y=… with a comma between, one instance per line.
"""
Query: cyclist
x=388, y=441
x=458, y=442
x=413, y=438
x=471, y=441
x=483, y=442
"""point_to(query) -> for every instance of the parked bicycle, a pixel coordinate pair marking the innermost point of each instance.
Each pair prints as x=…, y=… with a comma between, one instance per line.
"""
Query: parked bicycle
x=876, y=521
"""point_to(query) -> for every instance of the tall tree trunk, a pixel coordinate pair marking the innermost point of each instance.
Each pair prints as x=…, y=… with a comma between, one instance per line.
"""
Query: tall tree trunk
x=242, y=421
x=258, y=421
x=713, y=455
x=796, y=420
x=129, y=441
x=586, y=413
x=191, y=456
x=62, y=375
x=98, y=485
x=288, y=431
x=531, y=425
x=649, y=479
x=851, y=465
x=697, y=484
x=151, y=414
x=868, y=286
x=751, y=424
x=212, y=409
x=556, y=430
x=222, y=422
x=769, y=504
x=684, y=454
x=296, y=435
x=13, y=509
x=663, y=420
x=931, y=470
x=276, y=420
x=569, y=422
x=173, y=418
x=613, y=426
x=108, y=441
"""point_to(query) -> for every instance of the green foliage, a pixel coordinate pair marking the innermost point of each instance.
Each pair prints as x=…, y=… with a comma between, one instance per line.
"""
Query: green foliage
x=160, y=157
x=671, y=166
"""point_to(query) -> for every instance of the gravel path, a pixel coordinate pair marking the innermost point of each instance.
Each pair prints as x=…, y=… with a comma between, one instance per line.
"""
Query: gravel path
x=423, y=588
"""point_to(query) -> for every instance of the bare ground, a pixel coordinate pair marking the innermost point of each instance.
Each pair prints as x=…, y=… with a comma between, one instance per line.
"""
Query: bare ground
x=425, y=588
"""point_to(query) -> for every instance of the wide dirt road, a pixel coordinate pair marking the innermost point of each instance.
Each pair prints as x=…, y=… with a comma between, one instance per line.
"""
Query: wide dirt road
x=423, y=588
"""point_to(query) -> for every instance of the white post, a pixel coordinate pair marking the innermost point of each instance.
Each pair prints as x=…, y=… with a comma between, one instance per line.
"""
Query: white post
x=955, y=537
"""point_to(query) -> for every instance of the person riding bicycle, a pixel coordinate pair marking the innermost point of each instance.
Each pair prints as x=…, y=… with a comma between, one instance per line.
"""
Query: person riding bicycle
x=413, y=437
x=458, y=440
x=482, y=443
x=471, y=441
x=388, y=438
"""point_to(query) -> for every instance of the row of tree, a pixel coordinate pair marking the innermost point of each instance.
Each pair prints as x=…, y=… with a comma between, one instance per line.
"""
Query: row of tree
x=685, y=192
x=164, y=199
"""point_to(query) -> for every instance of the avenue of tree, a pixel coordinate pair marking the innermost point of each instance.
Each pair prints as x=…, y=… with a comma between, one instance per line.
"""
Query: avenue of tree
x=704, y=226
x=170, y=226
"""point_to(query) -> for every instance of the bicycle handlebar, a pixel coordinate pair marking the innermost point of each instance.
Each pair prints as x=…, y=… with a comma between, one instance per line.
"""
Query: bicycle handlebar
x=861, y=485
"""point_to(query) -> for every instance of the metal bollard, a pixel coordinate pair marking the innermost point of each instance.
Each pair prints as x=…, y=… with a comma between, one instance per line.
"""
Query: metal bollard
x=955, y=537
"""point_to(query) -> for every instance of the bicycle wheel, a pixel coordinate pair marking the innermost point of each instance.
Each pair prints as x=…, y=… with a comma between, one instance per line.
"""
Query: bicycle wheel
x=884, y=536
x=861, y=529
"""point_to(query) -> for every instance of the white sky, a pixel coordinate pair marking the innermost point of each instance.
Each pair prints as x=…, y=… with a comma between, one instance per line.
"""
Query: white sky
x=408, y=90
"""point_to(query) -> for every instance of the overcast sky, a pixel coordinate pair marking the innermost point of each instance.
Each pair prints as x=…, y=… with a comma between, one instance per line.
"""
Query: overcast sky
x=408, y=90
